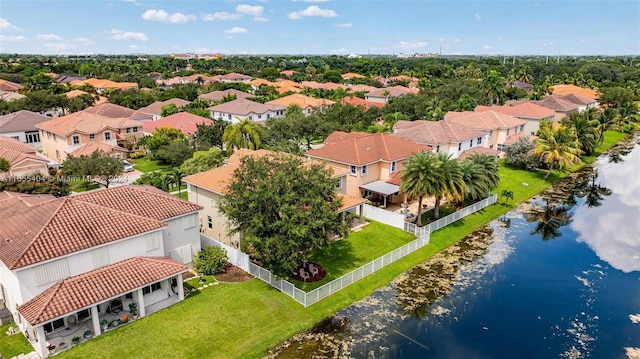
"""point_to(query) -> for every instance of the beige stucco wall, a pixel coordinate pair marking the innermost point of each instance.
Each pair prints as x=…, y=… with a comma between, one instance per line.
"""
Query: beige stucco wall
x=29, y=167
x=209, y=200
x=52, y=143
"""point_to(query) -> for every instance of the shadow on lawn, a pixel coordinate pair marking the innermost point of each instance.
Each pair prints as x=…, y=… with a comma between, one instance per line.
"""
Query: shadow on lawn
x=339, y=257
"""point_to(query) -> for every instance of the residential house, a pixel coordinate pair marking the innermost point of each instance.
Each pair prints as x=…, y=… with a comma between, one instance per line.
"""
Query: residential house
x=481, y=150
x=9, y=86
x=256, y=83
x=179, y=80
x=527, y=111
x=10, y=96
x=99, y=100
x=116, y=111
x=186, y=122
x=236, y=110
x=383, y=95
x=496, y=125
x=216, y=96
x=444, y=136
x=23, y=159
x=306, y=103
x=234, y=77
x=21, y=125
x=70, y=262
x=583, y=102
x=287, y=73
x=155, y=109
x=521, y=85
x=562, y=107
x=209, y=188
x=86, y=131
x=562, y=89
x=357, y=101
x=372, y=160
x=101, y=84
x=352, y=75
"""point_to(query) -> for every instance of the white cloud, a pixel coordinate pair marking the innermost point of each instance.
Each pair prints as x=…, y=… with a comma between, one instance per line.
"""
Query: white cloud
x=346, y=24
x=127, y=35
x=133, y=2
x=310, y=0
x=478, y=17
x=260, y=19
x=48, y=37
x=236, y=30
x=456, y=41
x=338, y=51
x=6, y=25
x=312, y=11
x=255, y=10
x=486, y=47
x=12, y=38
x=83, y=40
x=223, y=15
x=59, y=46
x=163, y=16
x=406, y=45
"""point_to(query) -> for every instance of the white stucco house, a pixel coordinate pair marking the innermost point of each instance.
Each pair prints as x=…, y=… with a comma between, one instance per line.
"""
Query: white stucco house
x=443, y=136
x=74, y=262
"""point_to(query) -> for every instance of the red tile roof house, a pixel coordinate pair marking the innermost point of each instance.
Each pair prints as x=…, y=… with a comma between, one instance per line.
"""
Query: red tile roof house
x=236, y=110
x=186, y=122
x=155, y=109
x=67, y=262
x=583, y=102
x=527, y=111
x=234, y=77
x=22, y=158
x=443, y=136
x=21, y=125
x=383, y=95
x=220, y=95
x=498, y=126
x=209, y=187
x=371, y=160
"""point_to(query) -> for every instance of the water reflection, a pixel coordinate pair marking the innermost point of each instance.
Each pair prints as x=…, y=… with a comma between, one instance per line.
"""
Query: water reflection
x=550, y=217
x=612, y=230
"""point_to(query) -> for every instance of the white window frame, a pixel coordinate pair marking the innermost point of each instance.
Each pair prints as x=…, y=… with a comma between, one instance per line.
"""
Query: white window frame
x=479, y=140
x=107, y=136
x=75, y=139
x=392, y=167
x=354, y=170
x=363, y=171
x=92, y=136
x=209, y=222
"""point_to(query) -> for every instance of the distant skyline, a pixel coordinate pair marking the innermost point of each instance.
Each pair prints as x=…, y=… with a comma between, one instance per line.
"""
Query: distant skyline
x=340, y=27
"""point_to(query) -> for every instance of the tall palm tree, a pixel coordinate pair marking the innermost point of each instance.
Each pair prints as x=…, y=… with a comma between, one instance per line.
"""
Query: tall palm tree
x=474, y=181
x=494, y=85
x=244, y=134
x=489, y=167
x=585, y=129
x=176, y=176
x=557, y=147
x=449, y=182
x=418, y=178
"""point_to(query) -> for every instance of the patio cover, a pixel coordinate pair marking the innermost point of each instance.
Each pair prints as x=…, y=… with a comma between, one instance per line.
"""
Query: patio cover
x=381, y=187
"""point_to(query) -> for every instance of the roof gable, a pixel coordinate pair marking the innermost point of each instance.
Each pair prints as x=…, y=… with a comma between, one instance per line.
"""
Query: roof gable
x=21, y=121
x=434, y=133
x=186, y=122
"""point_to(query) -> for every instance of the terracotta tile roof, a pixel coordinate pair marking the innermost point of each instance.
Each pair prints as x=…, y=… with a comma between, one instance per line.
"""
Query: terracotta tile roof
x=486, y=121
x=287, y=72
x=522, y=110
x=285, y=89
x=259, y=82
x=300, y=100
x=74, y=93
x=96, y=286
x=10, y=96
x=146, y=201
x=352, y=75
x=515, y=137
x=244, y=107
x=9, y=86
x=484, y=150
x=88, y=148
x=357, y=101
x=104, y=84
x=63, y=226
x=286, y=83
x=21, y=121
x=86, y=122
x=14, y=157
x=557, y=104
x=311, y=84
x=186, y=122
x=367, y=149
x=219, y=95
x=361, y=88
x=394, y=91
x=578, y=99
x=114, y=111
x=156, y=107
x=349, y=202
x=396, y=179
x=29, y=199
x=15, y=145
x=234, y=76
x=573, y=89
x=339, y=136
x=434, y=133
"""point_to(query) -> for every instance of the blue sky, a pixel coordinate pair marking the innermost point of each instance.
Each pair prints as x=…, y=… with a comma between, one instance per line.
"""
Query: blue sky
x=478, y=27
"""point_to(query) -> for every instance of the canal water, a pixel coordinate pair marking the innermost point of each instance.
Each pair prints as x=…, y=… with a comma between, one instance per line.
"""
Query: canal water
x=559, y=277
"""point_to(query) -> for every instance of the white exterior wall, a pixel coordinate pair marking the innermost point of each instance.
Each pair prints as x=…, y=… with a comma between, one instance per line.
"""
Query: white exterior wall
x=177, y=235
x=9, y=281
x=209, y=200
x=235, y=118
x=452, y=147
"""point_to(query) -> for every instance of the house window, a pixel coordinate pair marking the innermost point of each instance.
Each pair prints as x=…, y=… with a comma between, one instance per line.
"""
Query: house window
x=54, y=325
x=393, y=167
x=84, y=314
x=251, y=117
x=107, y=136
x=521, y=128
x=268, y=116
x=479, y=140
x=459, y=146
x=209, y=222
x=51, y=271
x=189, y=221
x=135, y=129
x=92, y=136
x=259, y=117
x=128, y=130
x=229, y=116
x=153, y=241
x=490, y=134
x=353, y=170
x=76, y=140
x=438, y=148
x=32, y=137
x=500, y=147
x=152, y=288
x=471, y=143
x=507, y=132
x=128, y=296
x=339, y=183
x=57, y=154
x=364, y=170
x=367, y=193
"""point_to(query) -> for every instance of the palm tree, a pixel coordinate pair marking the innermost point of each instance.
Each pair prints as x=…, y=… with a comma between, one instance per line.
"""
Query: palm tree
x=550, y=219
x=506, y=194
x=474, y=181
x=585, y=129
x=244, y=134
x=176, y=176
x=418, y=178
x=489, y=168
x=494, y=85
x=449, y=181
x=557, y=147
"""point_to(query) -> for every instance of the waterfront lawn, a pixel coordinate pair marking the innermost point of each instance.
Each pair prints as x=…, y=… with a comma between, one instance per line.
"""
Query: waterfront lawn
x=12, y=345
x=144, y=164
x=359, y=248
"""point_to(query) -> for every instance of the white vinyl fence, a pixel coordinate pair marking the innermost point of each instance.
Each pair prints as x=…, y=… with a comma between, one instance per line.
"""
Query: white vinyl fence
x=241, y=259
x=383, y=216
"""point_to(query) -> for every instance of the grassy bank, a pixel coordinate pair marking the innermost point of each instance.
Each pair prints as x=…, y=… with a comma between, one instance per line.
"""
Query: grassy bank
x=244, y=320
x=12, y=345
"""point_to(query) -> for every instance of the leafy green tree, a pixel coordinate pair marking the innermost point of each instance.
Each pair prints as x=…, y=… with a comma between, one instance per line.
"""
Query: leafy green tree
x=244, y=134
x=4, y=165
x=203, y=161
x=616, y=96
x=161, y=137
x=465, y=103
x=210, y=135
x=520, y=154
x=175, y=153
x=168, y=110
x=285, y=208
x=98, y=164
x=200, y=112
x=210, y=260
x=557, y=147
x=270, y=73
x=450, y=182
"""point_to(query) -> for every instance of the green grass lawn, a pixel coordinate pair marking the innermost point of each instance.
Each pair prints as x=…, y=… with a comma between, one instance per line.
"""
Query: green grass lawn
x=359, y=248
x=143, y=164
x=244, y=320
x=82, y=187
x=12, y=345
x=183, y=195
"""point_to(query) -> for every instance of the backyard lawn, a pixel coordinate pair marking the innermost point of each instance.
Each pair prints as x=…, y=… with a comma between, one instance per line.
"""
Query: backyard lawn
x=359, y=248
x=143, y=164
x=244, y=320
x=12, y=345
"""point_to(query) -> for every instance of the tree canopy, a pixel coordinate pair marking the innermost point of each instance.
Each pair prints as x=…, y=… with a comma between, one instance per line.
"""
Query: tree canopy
x=98, y=164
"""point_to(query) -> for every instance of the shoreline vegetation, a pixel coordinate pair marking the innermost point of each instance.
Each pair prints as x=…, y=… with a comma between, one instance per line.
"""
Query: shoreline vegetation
x=250, y=319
